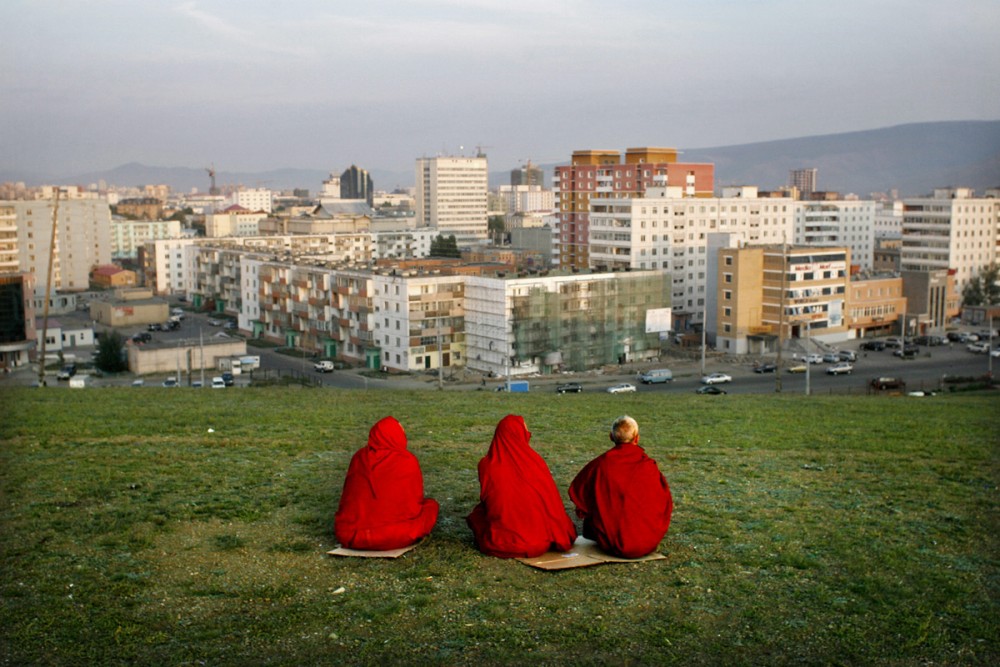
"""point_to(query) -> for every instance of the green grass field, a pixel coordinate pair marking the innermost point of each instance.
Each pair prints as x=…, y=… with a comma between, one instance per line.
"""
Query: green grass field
x=855, y=530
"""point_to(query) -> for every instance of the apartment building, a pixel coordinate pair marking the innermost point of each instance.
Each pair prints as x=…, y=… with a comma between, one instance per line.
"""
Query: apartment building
x=167, y=267
x=666, y=230
x=575, y=321
x=127, y=236
x=419, y=320
x=255, y=199
x=83, y=239
x=771, y=294
x=10, y=257
x=848, y=223
x=17, y=318
x=951, y=230
x=602, y=174
x=889, y=219
x=234, y=220
x=451, y=196
x=876, y=302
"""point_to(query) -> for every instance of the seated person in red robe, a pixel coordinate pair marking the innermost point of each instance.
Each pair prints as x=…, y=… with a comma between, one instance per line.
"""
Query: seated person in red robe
x=383, y=506
x=622, y=496
x=520, y=513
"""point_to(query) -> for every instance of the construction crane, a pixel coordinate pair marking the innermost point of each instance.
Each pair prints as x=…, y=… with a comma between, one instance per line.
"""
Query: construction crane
x=211, y=174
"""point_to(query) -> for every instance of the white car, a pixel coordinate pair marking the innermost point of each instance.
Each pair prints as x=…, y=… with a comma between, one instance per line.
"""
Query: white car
x=813, y=358
x=218, y=382
x=716, y=378
x=978, y=348
x=843, y=368
x=622, y=388
x=831, y=357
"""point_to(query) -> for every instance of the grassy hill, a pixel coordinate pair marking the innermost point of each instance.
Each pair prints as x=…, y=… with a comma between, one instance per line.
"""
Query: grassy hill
x=810, y=531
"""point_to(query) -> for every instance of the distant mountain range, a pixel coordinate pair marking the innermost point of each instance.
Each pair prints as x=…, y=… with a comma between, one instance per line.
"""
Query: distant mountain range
x=913, y=159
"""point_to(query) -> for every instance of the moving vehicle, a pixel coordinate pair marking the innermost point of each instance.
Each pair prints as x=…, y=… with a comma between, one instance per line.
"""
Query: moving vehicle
x=813, y=358
x=709, y=389
x=847, y=355
x=516, y=386
x=765, y=368
x=831, y=357
x=325, y=366
x=656, y=376
x=622, y=388
x=978, y=348
x=873, y=345
x=716, y=378
x=170, y=382
x=842, y=368
x=906, y=352
x=569, y=388
x=66, y=372
x=141, y=337
x=797, y=368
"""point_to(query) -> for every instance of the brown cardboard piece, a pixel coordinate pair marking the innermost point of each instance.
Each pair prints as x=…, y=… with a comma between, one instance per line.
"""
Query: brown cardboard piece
x=357, y=553
x=583, y=554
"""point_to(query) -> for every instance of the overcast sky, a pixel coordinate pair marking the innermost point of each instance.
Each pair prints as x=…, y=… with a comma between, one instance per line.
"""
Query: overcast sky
x=251, y=85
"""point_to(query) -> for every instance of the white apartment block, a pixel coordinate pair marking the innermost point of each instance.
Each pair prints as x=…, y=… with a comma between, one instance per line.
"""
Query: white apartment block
x=451, y=196
x=256, y=199
x=848, y=223
x=419, y=320
x=127, y=236
x=889, y=219
x=9, y=255
x=234, y=221
x=951, y=230
x=527, y=198
x=83, y=240
x=668, y=231
x=168, y=266
x=407, y=244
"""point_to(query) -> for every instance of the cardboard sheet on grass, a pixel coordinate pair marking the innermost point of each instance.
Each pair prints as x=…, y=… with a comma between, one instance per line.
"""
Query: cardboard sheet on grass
x=356, y=553
x=583, y=554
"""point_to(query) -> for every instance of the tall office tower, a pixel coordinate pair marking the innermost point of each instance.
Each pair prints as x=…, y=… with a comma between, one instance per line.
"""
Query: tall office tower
x=601, y=174
x=356, y=183
x=529, y=174
x=451, y=196
x=951, y=230
x=804, y=180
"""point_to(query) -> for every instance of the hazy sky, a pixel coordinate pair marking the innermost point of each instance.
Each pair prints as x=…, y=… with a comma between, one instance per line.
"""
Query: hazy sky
x=252, y=85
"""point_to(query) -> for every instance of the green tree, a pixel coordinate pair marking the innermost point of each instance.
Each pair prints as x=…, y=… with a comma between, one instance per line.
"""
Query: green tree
x=445, y=246
x=110, y=352
x=496, y=228
x=984, y=289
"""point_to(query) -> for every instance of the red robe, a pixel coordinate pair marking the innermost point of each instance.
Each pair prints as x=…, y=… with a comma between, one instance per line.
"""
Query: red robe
x=624, y=501
x=520, y=513
x=383, y=505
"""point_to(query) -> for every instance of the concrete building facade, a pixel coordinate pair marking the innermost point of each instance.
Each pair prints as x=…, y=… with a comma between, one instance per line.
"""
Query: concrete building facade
x=848, y=223
x=127, y=236
x=451, y=196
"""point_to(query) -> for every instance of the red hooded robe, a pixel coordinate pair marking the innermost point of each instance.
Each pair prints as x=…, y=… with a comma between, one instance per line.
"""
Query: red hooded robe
x=520, y=513
x=383, y=505
x=624, y=501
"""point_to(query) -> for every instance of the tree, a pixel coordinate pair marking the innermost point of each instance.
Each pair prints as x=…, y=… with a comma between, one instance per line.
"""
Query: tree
x=984, y=289
x=445, y=246
x=110, y=352
x=496, y=227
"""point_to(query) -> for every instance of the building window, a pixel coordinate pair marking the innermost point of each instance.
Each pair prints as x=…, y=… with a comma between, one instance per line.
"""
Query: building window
x=727, y=277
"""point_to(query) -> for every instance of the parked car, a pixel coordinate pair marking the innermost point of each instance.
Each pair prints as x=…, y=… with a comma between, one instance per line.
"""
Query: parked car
x=141, y=337
x=841, y=368
x=170, y=382
x=978, y=348
x=218, y=382
x=178, y=312
x=831, y=357
x=881, y=383
x=797, y=368
x=813, y=358
x=995, y=353
x=957, y=337
x=716, y=378
x=847, y=355
x=622, y=388
x=765, y=368
x=907, y=352
x=893, y=341
x=138, y=383
x=155, y=326
x=228, y=379
x=873, y=345
x=215, y=323
x=710, y=389
x=325, y=366
x=66, y=372
x=569, y=388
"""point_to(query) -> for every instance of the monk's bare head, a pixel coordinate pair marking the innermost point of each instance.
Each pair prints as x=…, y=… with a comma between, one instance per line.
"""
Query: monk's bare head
x=625, y=430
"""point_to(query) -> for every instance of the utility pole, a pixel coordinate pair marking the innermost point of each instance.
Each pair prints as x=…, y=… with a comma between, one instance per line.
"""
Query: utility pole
x=781, y=317
x=48, y=291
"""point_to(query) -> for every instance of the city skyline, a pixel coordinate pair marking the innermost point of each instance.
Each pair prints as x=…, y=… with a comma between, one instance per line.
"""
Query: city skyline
x=90, y=85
